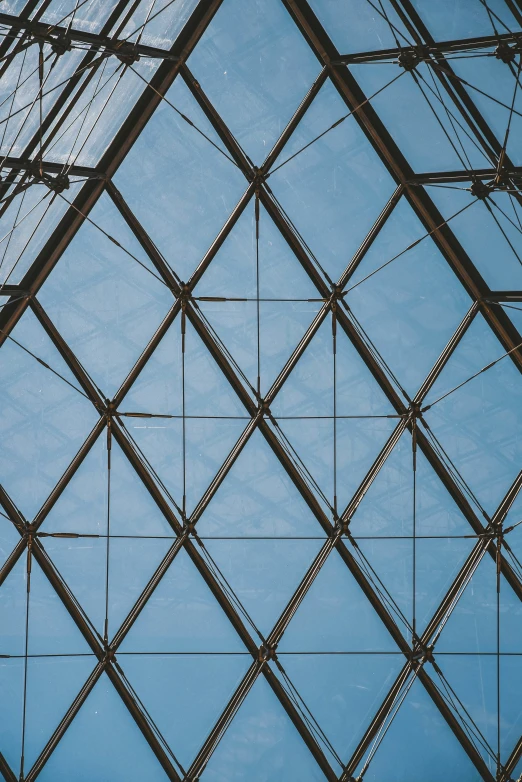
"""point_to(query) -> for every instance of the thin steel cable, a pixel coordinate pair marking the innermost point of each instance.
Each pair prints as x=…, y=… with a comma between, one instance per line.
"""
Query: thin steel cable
x=472, y=377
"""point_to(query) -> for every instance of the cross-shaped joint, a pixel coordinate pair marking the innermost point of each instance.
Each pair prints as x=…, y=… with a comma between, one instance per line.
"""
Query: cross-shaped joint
x=409, y=59
x=422, y=654
x=264, y=408
x=60, y=44
x=257, y=177
x=480, y=189
x=265, y=653
x=506, y=53
x=126, y=53
x=109, y=655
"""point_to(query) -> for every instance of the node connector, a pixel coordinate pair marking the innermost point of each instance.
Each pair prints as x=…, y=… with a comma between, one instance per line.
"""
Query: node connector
x=265, y=653
x=57, y=183
x=127, y=54
x=480, y=189
x=505, y=53
x=60, y=44
x=408, y=59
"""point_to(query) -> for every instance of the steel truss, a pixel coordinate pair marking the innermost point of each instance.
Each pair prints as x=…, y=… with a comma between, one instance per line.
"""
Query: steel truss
x=419, y=651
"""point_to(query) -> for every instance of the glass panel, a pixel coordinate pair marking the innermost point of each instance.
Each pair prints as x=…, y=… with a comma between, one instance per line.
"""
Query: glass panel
x=387, y=507
x=191, y=188
x=103, y=741
x=51, y=629
x=158, y=23
x=511, y=718
x=437, y=563
x=182, y=615
x=263, y=574
x=359, y=442
x=334, y=190
x=343, y=692
x=474, y=680
x=89, y=127
x=43, y=421
x=479, y=424
x=232, y=272
x=472, y=625
x=481, y=232
x=420, y=745
x=261, y=744
x=281, y=327
x=159, y=387
x=208, y=441
x=257, y=499
x=199, y=688
x=421, y=118
x=103, y=301
x=90, y=16
x=20, y=89
x=255, y=66
x=82, y=564
x=26, y=225
x=9, y=537
x=52, y=685
x=413, y=306
x=356, y=27
x=335, y=616
x=82, y=507
x=11, y=705
x=514, y=537
x=449, y=19
x=309, y=390
x=497, y=80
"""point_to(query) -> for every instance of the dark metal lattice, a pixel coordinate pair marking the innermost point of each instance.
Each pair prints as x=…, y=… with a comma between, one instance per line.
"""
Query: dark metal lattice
x=34, y=168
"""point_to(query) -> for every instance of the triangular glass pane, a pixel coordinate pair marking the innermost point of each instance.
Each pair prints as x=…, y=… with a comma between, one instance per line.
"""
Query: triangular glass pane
x=281, y=327
x=233, y=271
x=82, y=133
x=343, y=692
x=258, y=499
x=358, y=443
x=479, y=424
x=485, y=234
x=103, y=741
x=25, y=225
x=413, y=306
x=158, y=24
x=472, y=625
x=437, y=564
x=255, y=66
x=208, y=442
x=420, y=117
x=473, y=680
x=199, y=688
x=103, y=302
x=309, y=390
x=263, y=574
x=261, y=744
x=357, y=28
x=191, y=188
x=159, y=386
x=182, y=615
x=51, y=628
x=9, y=537
x=510, y=697
x=82, y=564
x=447, y=19
x=495, y=82
x=333, y=191
x=43, y=421
x=52, y=685
x=387, y=507
x=82, y=507
x=20, y=90
x=11, y=711
x=420, y=745
x=336, y=616
x=89, y=16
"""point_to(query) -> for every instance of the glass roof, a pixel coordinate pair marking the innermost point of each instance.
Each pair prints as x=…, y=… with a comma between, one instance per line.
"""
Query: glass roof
x=260, y=390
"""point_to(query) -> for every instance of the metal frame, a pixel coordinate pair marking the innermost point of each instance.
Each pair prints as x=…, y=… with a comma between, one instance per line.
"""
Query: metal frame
x=418, y=651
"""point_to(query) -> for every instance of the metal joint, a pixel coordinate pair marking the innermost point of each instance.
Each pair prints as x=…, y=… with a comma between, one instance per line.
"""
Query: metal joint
x=265, y=653
x=126, y=53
